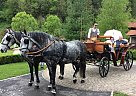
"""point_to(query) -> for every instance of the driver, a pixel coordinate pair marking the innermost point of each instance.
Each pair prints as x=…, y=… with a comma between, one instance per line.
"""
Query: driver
x=93, y=32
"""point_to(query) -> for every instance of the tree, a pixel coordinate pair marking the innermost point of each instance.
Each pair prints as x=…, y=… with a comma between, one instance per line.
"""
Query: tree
x=79, y=17
x=22, y=21
x=133, y=7
x=52, y=25
x=114, y=15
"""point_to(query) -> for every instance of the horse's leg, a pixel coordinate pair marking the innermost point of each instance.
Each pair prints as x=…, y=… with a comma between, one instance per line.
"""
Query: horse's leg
x=36, y=65
x=53, y=75
x=82, y=70
x=32, y=76
x=62, y=65
x=76, y=68
x=50, y=73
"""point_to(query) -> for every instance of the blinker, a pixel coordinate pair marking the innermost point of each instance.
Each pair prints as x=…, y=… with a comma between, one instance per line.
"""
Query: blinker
x=26, y=41
x=8, y=38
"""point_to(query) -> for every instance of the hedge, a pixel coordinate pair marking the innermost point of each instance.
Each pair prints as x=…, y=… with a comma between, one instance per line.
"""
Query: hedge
x=10, y=59
x=134, y=53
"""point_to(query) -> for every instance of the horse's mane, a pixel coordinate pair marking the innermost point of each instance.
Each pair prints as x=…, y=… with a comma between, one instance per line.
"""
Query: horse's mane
x=42, y=37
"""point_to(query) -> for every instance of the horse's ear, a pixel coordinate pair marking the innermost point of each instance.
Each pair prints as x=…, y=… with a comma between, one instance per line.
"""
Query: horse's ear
x=7, y=30
x=25, y=32
x=10, y=30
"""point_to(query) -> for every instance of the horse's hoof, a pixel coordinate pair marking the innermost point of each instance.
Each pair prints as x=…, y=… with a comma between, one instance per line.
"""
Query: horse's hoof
x=53, y=91
x=30, y=84
x=37, y=87
x=74, y=81
x=82, y=81
x=61, y=77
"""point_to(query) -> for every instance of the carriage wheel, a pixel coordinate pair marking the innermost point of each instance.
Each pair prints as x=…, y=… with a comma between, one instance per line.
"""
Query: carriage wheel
x=128, y=62
x=104, y=67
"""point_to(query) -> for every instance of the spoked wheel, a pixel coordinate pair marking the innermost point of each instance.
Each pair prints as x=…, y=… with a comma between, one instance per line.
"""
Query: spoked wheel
x=128, y=61
x=104, y=67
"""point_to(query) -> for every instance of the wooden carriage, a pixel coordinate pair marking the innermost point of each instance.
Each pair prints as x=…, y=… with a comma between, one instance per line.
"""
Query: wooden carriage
x=98, y=51
x=96, y=46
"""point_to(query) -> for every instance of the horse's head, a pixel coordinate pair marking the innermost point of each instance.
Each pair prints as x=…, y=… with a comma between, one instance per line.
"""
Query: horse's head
x=28, y=44
x=7, y=41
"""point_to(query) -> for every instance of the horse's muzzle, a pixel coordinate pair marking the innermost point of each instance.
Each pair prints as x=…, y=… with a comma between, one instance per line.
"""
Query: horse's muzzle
x=3, y=51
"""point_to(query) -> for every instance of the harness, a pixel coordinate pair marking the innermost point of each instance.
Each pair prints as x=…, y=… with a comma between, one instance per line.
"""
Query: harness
x=9, y=38
x=41, y=50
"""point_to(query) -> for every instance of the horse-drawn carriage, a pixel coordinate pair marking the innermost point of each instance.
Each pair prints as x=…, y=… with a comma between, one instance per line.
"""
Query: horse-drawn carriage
x=101, y=54
x=54, y=51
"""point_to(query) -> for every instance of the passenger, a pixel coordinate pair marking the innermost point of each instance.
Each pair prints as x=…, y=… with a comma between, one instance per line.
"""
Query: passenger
x=93, y=32
x=120, y=42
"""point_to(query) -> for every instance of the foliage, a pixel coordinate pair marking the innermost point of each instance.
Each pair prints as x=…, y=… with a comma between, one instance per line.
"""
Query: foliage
x=79, y=17
x=133, y=7
x=114, y=15
x=10, y=59
x=22, y=21
x=134, y=53
x=52, y=25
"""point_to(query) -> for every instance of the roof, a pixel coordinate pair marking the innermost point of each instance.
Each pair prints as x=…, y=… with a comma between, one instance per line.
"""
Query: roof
x=131, y=32
x=132, y=25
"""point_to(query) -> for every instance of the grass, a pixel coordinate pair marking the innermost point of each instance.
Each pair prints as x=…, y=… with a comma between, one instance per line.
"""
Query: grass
x=9, y=52
x=119, y=94
x=12, y=70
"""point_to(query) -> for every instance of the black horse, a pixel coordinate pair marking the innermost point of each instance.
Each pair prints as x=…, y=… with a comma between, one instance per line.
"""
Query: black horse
x=11, y=38
x=51, y=50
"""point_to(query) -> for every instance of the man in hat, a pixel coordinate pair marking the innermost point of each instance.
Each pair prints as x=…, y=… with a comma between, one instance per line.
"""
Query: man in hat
x=93, y=32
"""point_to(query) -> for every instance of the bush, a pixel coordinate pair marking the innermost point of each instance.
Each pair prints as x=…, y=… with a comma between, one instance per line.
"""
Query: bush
x=134, y=54
x=10, y=59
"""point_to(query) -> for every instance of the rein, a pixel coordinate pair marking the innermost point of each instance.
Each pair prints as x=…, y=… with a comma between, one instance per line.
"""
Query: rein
x=39, y=51
x=16, y=40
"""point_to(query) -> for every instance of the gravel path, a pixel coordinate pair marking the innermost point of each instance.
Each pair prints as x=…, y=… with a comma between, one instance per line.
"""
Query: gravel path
x=117, y=79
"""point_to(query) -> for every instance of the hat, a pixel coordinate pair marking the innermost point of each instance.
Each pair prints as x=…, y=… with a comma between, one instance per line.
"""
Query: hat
x=95, y=24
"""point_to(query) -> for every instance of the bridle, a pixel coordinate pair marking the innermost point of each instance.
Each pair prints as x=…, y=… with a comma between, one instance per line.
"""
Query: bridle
x=9, y=38
x=37, y=44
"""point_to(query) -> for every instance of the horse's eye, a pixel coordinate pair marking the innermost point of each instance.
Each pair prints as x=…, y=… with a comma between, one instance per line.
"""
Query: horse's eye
x=8, y=38
x=26, y=41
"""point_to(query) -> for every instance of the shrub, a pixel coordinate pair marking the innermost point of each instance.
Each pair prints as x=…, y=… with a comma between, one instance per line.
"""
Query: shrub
x=134, y=53
x=10, y=59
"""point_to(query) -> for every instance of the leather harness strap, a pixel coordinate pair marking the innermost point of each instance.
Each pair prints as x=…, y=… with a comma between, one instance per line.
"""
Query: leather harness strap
x=39, y=51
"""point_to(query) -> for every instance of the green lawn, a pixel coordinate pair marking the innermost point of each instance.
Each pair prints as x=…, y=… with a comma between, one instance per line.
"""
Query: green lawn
x=119, y=94
x=12, y=70
x=9, y=52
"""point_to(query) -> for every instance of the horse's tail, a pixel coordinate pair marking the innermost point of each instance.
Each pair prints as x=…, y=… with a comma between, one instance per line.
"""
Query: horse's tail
x=83, y=60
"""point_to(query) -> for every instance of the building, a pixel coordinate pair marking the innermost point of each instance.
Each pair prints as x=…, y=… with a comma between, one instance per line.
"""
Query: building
x=132, y=33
